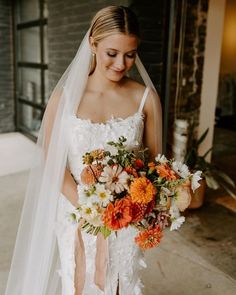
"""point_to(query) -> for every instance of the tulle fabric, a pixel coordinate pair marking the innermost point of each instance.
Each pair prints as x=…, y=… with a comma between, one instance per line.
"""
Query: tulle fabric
x=35, y=259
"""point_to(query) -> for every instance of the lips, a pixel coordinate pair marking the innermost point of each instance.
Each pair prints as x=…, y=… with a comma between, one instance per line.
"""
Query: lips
x=117, y=71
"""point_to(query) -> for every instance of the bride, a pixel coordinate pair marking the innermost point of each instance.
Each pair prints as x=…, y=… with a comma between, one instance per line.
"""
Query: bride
x=94, y=102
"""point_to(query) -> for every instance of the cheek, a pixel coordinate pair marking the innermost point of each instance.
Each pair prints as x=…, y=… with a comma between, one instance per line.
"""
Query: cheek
x=104, y=60
x=129, y=63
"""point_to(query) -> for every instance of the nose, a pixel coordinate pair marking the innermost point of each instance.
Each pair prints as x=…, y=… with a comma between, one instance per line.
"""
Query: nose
x=120, y=63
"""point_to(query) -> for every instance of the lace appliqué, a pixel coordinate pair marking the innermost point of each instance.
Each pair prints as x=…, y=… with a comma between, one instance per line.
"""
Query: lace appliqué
x=125, y=258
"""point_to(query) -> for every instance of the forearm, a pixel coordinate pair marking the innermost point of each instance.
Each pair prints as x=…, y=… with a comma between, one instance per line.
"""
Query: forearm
x=69, y=188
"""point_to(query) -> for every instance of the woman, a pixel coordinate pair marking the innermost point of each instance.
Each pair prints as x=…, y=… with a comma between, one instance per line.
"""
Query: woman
x=93, y=103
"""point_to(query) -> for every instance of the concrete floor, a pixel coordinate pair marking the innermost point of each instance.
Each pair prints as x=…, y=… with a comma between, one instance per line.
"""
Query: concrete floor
x=181, y=265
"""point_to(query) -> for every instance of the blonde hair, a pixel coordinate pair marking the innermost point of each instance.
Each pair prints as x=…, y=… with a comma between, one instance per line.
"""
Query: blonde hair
x=110, y=20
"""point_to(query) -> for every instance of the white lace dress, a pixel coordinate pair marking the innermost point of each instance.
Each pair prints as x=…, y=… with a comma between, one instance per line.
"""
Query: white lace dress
x=125, y=258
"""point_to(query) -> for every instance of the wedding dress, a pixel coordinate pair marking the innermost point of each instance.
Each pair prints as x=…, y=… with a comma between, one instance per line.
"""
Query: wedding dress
x=125, y=258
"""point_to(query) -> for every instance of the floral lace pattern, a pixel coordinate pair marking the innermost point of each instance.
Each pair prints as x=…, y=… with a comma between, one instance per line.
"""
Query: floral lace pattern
x=125, y=258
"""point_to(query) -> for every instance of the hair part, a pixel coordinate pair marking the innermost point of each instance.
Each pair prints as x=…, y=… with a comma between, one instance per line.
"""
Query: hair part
x=112, y=20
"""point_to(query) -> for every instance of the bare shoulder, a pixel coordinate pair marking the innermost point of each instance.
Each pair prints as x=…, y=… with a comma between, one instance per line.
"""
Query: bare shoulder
x=152, y=102
x=134, y=88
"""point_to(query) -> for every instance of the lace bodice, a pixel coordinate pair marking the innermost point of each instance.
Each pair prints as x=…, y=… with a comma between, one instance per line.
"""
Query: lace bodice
x=86, y=136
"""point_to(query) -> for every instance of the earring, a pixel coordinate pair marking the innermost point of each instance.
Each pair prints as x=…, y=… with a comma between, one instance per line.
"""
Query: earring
x=93, y=54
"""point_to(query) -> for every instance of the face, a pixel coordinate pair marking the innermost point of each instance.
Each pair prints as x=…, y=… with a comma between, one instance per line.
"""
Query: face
x=115, y=55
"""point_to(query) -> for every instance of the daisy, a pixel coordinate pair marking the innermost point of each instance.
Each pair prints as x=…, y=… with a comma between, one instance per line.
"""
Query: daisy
x=84, y=196
x=88, y=212
x=104, y=196
x=115, y=178
x=181, y=169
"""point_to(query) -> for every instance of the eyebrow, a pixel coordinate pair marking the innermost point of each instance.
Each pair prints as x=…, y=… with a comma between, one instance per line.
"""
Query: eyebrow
x=134, y=50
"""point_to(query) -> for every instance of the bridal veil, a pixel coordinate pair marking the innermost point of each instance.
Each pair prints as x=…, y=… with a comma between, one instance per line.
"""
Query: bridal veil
x=35, y=259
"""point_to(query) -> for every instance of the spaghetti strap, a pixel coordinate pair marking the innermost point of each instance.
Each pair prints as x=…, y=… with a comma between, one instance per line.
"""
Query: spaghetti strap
x=145, y=94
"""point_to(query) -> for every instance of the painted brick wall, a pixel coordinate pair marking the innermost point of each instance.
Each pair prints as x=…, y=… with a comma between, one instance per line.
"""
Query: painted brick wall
x=7, y=123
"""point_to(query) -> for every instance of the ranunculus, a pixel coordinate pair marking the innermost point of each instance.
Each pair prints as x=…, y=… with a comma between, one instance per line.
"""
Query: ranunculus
x=90, y=174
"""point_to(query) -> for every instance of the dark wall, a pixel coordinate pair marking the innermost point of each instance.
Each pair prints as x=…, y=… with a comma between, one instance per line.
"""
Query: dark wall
x=7, y=123
x=69, y=20
x=67, y=23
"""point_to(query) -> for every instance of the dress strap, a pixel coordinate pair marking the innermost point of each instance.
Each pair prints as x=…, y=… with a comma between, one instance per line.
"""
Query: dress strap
x=145, y=94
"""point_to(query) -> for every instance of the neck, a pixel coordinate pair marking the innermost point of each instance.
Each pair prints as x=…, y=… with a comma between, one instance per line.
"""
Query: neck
x=97, y=82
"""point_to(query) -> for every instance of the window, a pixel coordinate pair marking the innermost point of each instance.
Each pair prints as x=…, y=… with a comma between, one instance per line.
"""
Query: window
x=31, y=64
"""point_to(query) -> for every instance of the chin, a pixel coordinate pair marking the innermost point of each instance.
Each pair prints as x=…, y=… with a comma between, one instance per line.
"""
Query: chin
x=115, y=77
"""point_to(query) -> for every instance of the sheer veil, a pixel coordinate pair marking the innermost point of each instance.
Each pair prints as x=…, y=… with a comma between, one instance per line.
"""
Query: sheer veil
x=35, y=259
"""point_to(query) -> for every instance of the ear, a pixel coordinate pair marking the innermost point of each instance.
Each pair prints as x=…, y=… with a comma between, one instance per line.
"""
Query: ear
x=92, y=44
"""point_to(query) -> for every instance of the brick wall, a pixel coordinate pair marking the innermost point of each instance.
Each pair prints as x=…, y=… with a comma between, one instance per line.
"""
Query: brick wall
x=67, y=23
x=7, y=123
x=190, y=79
x=69, y=20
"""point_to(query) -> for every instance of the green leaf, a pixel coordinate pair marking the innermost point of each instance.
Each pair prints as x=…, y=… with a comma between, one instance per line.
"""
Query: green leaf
x=226, y=178
x=211, y=182
x=105, y=231
x=202, y=137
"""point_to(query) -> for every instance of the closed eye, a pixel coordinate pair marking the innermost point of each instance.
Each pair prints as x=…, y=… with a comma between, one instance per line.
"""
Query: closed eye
x=132, y=55
x=111, y=54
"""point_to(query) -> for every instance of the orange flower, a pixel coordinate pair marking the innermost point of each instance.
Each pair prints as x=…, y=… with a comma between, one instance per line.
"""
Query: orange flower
x=149, y=238
x=142, y=190
x=165, y=172
x=90, y=174
x=130, y=170
x=118, y=215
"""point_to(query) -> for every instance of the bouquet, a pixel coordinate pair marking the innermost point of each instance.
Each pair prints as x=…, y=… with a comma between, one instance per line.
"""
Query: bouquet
x=120, y=188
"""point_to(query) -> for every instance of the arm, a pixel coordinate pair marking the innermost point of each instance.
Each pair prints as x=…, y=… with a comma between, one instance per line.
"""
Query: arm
x=69, y=188
x=153, y=124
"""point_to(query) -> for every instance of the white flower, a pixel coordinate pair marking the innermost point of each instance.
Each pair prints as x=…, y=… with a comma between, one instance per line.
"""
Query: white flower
x=104, y=196
x=88, y=212
x=161, y=158
x=176, y=223
x=194, y=181
x=165, y=192
x=181, y=169
x=174, y=211
x=84, y=197
x=115, y=178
